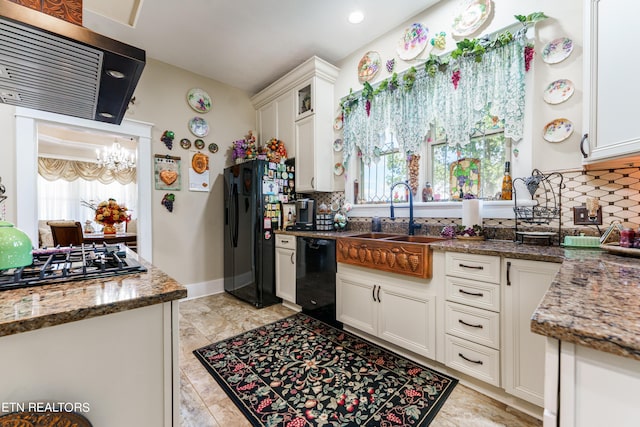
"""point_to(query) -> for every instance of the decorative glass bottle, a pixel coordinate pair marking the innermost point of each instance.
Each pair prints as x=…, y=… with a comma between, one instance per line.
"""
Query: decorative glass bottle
x=507, y=183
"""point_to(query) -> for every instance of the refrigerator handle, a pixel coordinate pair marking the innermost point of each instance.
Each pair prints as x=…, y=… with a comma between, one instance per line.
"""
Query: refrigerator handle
x=235, y=216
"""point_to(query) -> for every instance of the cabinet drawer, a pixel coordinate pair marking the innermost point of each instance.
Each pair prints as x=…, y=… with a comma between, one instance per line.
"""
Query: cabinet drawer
x=472, y=266
x=473, y=359
x=471, y=292
x=285, y=241
x=473, y=324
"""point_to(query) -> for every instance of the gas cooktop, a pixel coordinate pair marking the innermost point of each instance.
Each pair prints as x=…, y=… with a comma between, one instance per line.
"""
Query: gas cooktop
x=70, y=263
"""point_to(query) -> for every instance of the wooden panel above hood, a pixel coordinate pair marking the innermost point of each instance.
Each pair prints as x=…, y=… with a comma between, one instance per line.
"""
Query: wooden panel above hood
x=69, y=10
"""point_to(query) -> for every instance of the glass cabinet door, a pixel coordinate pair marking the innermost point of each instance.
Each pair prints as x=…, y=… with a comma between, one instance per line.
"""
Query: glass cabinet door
x=304, y=100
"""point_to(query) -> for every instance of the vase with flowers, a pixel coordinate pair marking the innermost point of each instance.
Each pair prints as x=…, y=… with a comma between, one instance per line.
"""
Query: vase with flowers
x=108, y=214
x=244, y=149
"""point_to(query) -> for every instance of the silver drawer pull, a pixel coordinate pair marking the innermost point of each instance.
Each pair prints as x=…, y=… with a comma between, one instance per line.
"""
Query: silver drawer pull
x=475, y=267
x=284, y=241
x=475, y=294
x=469, y=324
x=477, y=362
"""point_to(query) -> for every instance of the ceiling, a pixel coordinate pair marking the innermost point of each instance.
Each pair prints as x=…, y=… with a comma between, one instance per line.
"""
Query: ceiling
x=247, y=44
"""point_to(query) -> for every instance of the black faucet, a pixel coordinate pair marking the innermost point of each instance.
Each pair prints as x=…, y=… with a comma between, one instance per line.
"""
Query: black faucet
x=412, y=224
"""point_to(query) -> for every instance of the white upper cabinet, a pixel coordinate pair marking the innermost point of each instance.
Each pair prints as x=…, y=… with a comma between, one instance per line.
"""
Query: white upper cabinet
x=612, y=88
x=299, y=108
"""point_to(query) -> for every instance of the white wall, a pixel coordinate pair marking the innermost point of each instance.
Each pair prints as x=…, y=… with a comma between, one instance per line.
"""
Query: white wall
x=565, y=20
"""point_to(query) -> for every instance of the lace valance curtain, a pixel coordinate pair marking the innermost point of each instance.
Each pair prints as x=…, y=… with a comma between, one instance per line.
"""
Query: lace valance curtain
x=498, y=81
x=70, y=170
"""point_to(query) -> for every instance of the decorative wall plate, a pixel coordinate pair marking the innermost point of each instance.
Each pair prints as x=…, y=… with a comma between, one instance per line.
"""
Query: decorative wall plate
x=558, y=130
x=471, y=16
x=338, y=122
x=199, y=100
x=199, y=144
x=199, y=163
x=338, y=169
x=558, y=91
x=213, y=147
x=199, y=127
x=338, y=144
x=557, y=50
x=413, y=41
x=368, y=66
x=185, y=143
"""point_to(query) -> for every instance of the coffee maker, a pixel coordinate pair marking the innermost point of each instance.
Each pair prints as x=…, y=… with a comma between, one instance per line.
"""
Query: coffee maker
x=305, y=215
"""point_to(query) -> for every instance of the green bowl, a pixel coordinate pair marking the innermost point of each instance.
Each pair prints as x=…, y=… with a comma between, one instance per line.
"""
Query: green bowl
x=15, y=247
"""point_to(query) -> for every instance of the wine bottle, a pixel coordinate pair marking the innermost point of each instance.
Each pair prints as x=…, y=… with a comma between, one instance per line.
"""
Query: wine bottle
x=507, y=183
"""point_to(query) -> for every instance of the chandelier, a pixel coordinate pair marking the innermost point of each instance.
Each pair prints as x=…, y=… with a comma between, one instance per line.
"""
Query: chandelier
x=116, y=158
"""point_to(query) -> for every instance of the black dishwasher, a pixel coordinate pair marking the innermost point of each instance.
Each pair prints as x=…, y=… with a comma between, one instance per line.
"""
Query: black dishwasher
x=316, y=278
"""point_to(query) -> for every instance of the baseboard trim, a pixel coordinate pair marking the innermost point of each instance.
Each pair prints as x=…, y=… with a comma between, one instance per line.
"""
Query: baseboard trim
x=202, y=289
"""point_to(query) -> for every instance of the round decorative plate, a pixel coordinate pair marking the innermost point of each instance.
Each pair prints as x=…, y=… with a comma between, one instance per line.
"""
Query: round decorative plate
x=413, y=41
x=338, y=169
x=558, y=130
x=558, y=91
x=199, y=100
x=471, y=17
x=338, y=144
x=557, y=50
x=199, y=144
x=213, y=147
x=368, y=66
x=338, y=122
x=199, y=162
x=185, y=143
x=199, y=127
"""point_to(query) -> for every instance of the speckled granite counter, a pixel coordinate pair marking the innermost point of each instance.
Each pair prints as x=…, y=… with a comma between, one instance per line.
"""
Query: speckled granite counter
x=330, y=235
x=593, y=301
x=37, y=307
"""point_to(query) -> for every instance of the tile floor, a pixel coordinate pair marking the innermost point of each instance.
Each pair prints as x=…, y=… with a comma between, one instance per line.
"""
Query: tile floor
x=204, y=404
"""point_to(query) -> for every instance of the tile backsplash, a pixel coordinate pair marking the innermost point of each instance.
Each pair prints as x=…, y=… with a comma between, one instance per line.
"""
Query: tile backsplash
x=618, y=191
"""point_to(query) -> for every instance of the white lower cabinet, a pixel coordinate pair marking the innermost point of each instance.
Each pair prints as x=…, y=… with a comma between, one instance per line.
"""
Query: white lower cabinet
x=286, y=267
x=398, y=310
x=472, y=315
x=526, y=282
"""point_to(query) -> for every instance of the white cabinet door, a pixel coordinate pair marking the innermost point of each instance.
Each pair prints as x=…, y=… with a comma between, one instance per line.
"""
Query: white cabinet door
x=286, y=274
x=305, y=155
x=407, y=319
x=267, y=122
x=285, y=128
x=355, y=305
x=524, y=352
x=610, y=71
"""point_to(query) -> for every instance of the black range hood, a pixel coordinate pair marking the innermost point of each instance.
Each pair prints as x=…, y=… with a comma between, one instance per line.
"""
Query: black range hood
x=53, y=65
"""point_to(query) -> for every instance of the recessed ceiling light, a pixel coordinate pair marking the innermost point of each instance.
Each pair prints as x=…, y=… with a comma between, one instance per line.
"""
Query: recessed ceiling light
x=106, y=115
x=356, y=17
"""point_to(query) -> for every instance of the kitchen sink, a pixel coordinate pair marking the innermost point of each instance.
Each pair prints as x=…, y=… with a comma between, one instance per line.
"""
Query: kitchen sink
x=375, y=235
x=416, y=239
x=395, y=253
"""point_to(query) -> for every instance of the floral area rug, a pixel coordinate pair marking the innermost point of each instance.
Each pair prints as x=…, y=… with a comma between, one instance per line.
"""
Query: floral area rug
x=302, y=372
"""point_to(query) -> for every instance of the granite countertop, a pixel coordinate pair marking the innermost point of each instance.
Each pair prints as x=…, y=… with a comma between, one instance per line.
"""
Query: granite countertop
x=36, y=307
x=330, y=235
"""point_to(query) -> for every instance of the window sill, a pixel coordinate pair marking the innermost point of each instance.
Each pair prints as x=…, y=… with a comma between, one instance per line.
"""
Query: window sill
x=448, y=209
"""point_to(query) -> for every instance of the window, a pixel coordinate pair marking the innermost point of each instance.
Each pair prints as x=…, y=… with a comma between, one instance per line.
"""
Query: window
x=60, y=199
x=476, y=168
x=389, y=167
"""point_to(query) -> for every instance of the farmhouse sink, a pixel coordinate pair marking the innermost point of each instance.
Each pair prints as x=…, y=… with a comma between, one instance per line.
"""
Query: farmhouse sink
x=396, y=253
x=416, y=239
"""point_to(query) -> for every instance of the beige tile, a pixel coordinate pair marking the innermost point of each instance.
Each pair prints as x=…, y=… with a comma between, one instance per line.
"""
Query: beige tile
x=193, y=412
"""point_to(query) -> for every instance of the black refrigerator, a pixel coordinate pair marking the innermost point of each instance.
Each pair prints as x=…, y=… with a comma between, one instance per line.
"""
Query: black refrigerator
x=253, y=196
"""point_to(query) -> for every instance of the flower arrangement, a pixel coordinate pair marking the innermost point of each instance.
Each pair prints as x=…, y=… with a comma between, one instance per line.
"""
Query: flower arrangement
x=108, y=212
x=274, y=150
x=452, y=231
x=245, y=148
